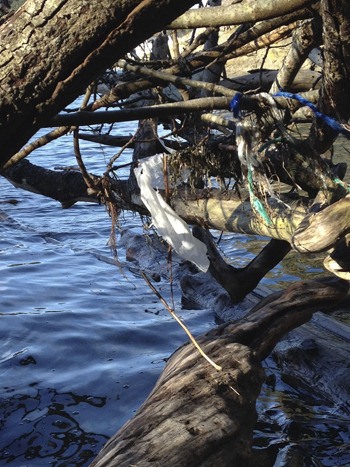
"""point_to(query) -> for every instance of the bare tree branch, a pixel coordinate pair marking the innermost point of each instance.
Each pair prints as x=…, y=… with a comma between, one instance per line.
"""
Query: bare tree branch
x=246, y=11
x=127, y=115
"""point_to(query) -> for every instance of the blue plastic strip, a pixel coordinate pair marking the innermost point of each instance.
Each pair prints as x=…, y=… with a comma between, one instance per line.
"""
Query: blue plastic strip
x=331, y=122
x=235, y=104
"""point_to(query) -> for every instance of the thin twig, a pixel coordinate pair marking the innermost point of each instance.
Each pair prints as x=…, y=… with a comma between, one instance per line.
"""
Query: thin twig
x=174, y=315
x=88, y=179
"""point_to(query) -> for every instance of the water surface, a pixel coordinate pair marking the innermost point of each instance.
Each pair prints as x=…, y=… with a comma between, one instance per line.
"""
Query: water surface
x=83, y=342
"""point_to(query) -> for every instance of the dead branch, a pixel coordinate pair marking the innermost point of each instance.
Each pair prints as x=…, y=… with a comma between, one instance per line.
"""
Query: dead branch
x=189, y=64
x=170, y=78
x=127, y=115
x=246, y=11
x=67, y=187
x=304, y=39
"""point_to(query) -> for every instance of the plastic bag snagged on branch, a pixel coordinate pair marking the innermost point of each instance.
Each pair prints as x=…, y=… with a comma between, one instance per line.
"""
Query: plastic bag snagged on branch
x=150, y=178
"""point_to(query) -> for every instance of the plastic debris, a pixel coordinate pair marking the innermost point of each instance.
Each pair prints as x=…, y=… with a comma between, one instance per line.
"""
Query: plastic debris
x=149, y=176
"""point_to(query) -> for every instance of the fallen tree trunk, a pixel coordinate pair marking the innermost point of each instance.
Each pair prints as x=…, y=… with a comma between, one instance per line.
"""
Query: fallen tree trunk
x=226, y=211
x=197, y=416
x=312, y=349
x=210, y=208
x=304, y=80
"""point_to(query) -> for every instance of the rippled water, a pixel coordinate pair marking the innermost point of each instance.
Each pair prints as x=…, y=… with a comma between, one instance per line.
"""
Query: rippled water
x=82, y=342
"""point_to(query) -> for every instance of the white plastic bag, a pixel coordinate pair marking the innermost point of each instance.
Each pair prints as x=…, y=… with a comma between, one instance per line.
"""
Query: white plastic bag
x=149, y=175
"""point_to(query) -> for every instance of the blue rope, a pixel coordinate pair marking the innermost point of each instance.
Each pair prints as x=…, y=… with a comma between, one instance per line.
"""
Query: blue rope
x=235, y=104
x=331, y=122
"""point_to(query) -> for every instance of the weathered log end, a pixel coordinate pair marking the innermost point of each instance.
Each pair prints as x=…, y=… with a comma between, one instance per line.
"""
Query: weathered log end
x=195, y=415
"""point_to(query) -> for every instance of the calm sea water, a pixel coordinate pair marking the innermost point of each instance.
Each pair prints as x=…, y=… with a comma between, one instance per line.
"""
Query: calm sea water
x=83, y=342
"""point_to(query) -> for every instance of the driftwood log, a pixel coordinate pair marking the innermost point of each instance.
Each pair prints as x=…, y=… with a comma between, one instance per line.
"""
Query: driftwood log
x=211, y=208
x=318, y=354
x=198, y=416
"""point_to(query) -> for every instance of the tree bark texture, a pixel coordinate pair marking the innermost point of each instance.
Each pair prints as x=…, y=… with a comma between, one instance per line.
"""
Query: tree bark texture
x=194, y=415
x=198, y=416
x=67, y=186
x=51, y=51
x=336, y=83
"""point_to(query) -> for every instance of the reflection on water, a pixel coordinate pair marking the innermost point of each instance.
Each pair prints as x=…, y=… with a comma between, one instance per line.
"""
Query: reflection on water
x=47, y=428
x=311, y=430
